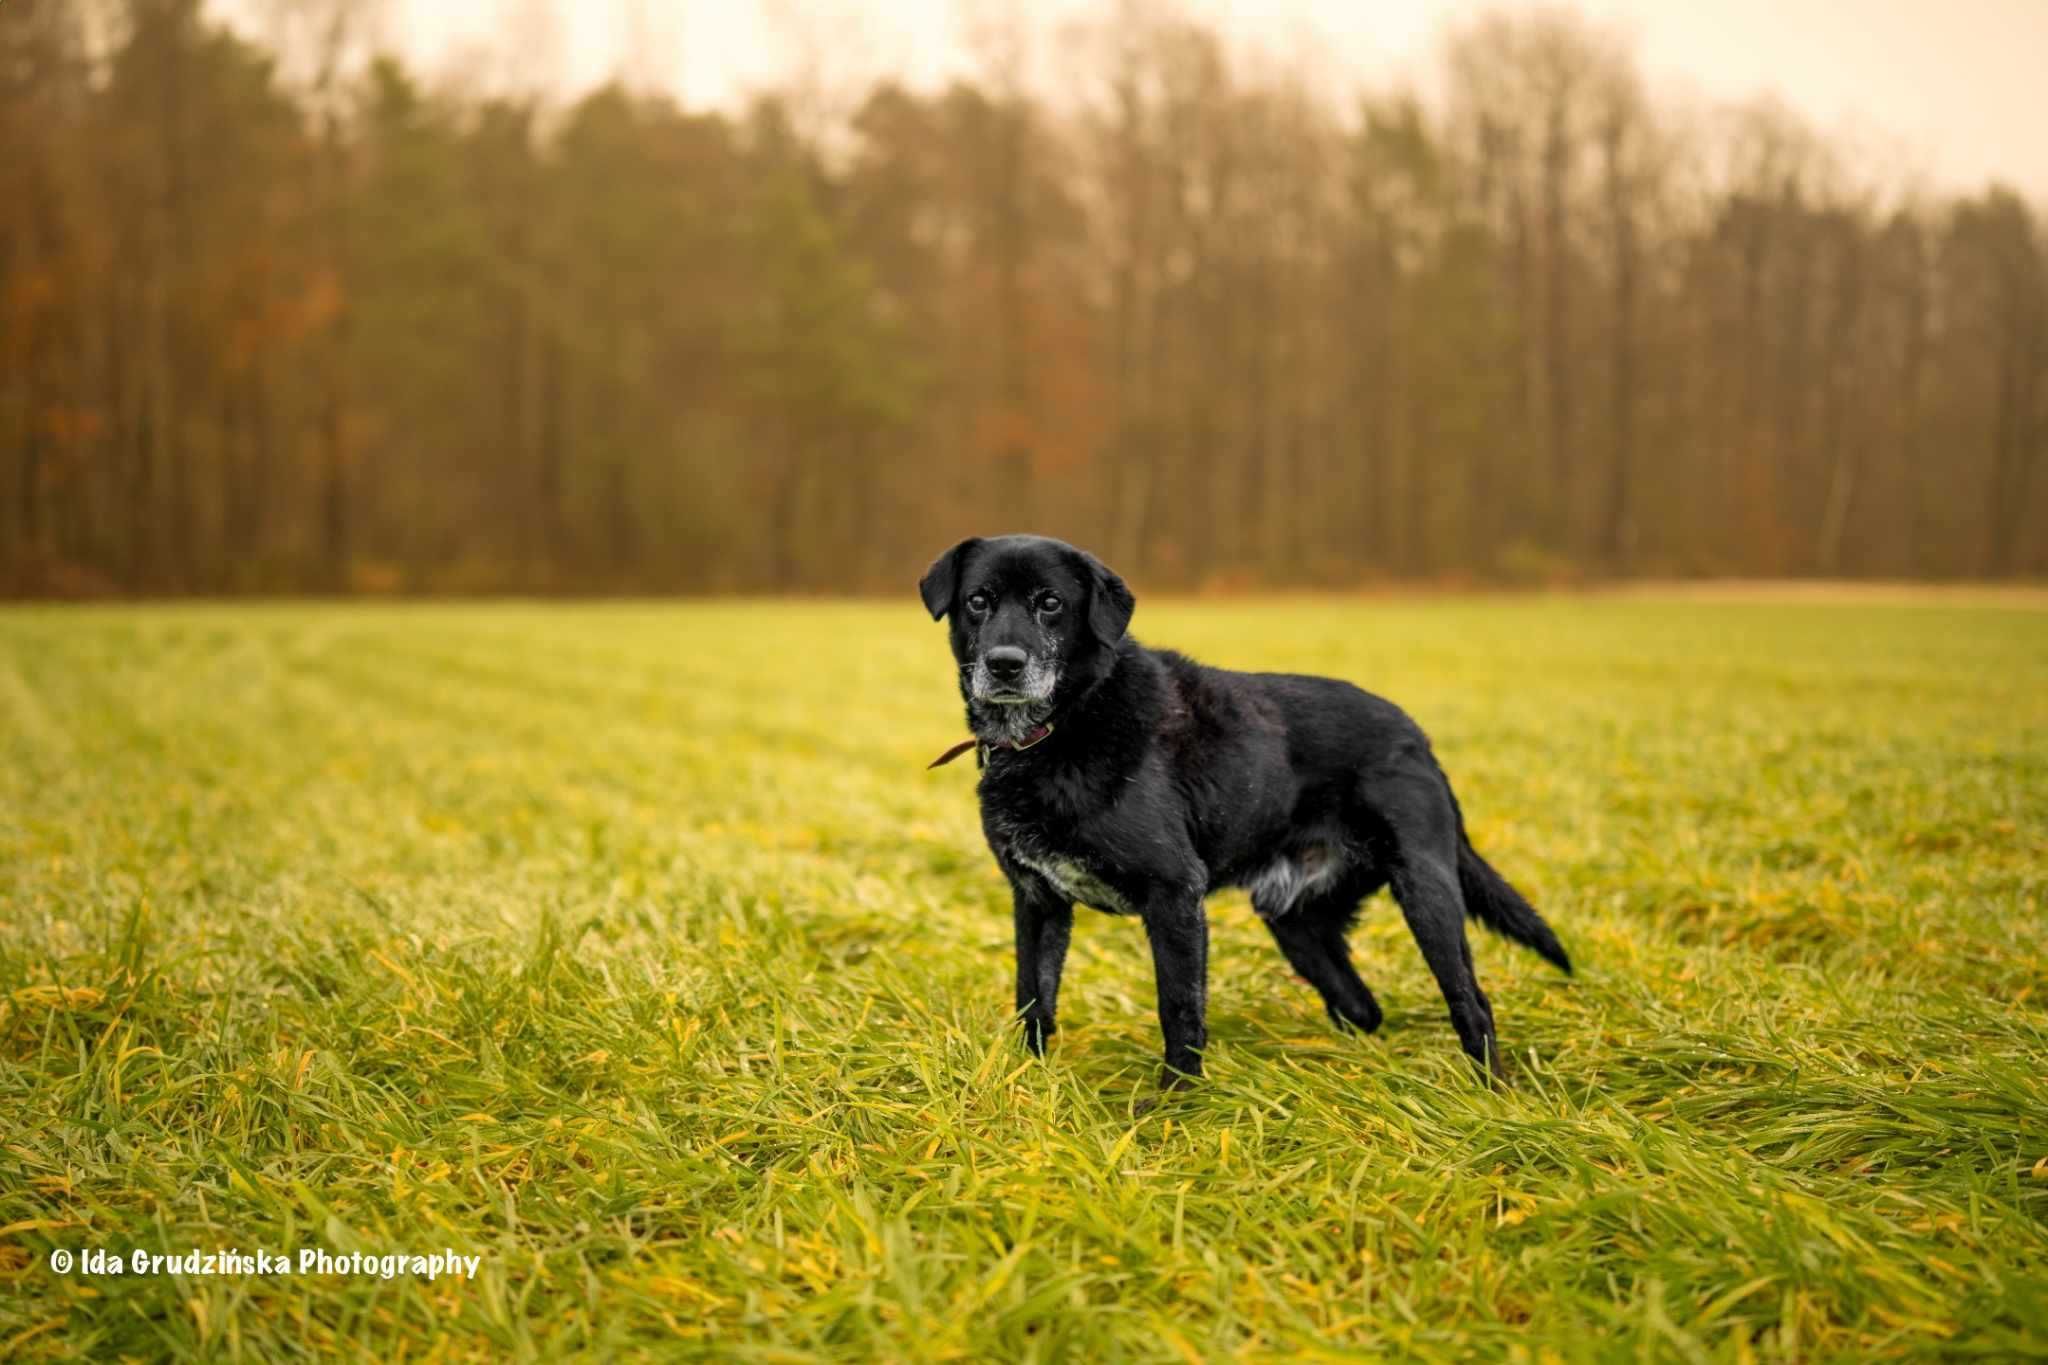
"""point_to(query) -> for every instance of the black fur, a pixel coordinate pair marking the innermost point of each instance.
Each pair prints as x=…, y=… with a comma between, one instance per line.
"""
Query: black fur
x=1164, y=780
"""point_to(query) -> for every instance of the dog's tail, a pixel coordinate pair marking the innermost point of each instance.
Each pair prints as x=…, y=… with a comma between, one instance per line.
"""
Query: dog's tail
x=1497, y=905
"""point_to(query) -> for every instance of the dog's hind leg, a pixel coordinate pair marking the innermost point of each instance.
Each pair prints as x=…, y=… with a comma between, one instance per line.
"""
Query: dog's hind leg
x=1427, y=890
x=1418, y=811
x=1311, y=934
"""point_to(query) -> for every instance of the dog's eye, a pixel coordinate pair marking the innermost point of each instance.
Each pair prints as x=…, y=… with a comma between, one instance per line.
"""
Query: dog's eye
x=978, y=603
x=1049, y=602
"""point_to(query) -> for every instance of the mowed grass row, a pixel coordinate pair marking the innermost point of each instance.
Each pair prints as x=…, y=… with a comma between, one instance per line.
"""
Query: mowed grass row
x=632, y=948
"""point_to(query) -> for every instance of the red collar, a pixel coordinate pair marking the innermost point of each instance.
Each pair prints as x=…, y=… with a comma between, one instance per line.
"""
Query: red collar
x=1038, y=733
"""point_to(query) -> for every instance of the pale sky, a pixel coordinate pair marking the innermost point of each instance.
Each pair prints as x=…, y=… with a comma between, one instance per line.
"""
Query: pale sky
x=1951, y=91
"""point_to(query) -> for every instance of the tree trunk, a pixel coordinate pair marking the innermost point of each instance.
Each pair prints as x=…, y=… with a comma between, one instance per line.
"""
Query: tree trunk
x=1615, y=534
x=335, y=547
x=1912, y=369
x=550, y=475
x=1844, y=455
x=1556, y=171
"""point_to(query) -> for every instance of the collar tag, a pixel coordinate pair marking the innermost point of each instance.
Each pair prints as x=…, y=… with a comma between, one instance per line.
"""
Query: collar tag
x=1044, y=733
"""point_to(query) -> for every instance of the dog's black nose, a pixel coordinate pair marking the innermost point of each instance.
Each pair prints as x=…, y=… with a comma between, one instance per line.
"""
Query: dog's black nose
x=1005, y=663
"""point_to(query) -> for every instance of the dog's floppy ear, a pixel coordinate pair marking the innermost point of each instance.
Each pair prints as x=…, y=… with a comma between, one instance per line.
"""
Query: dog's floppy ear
x=943, y=577
x=1110, y=602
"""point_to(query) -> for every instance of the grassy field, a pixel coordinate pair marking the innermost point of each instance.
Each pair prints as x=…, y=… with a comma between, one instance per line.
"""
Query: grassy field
x=631, y=948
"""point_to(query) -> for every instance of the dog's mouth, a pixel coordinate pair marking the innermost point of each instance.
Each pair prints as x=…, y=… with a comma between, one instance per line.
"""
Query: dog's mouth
x=1014, y=695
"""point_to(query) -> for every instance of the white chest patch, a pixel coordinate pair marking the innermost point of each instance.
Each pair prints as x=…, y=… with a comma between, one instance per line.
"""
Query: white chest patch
x=1282, y=882
x=1073, y=880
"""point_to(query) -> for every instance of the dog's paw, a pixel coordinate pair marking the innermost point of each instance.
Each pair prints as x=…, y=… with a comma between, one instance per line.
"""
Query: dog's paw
x=1494, y=1073
x=1360, y=1022
x=1038, y=1035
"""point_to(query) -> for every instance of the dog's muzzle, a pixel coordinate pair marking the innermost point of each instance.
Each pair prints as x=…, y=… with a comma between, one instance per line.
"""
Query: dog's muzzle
x=1009, y=676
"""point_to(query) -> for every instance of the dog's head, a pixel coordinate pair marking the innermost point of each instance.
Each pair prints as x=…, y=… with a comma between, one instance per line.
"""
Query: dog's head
x=1034, y=621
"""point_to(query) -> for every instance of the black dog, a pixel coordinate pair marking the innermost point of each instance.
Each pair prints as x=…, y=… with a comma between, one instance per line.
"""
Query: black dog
x=1137, y=781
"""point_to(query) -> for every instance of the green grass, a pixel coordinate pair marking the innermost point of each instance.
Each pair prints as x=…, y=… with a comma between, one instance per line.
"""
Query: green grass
x=631, y=948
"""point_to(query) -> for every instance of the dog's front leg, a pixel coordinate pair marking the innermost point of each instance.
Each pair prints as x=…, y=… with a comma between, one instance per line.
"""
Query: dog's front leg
x=1045, y=921
x=1179, y=933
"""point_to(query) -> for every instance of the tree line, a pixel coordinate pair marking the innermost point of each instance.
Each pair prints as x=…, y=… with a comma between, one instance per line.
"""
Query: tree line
x=281, y=316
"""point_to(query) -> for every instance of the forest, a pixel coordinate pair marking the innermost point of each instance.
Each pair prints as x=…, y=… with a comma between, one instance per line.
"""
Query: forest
x=281, y=314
